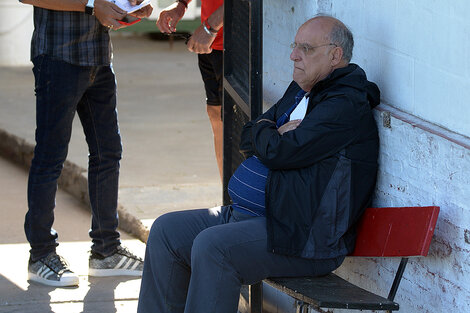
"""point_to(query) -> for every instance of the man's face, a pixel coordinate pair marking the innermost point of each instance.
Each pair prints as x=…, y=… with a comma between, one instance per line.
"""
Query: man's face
x=312, y=54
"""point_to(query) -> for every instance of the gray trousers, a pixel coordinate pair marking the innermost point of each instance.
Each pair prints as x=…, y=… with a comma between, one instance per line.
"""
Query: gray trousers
x=196, y=261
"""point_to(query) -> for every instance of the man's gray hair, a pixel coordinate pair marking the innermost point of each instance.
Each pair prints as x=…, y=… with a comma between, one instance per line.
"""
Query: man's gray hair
x=341, y=36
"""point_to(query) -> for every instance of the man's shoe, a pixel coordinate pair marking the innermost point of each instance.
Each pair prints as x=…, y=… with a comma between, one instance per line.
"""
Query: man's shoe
x=121, y=263
x=52, y=270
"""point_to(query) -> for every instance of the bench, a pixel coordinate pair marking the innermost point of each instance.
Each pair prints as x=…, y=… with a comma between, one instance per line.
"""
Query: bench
x=382, y=232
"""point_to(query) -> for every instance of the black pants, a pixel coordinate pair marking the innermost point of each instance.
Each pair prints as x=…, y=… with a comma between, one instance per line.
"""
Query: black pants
x=211, y=67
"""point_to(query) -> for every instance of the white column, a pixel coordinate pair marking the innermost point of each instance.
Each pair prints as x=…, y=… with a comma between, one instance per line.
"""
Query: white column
x=16, y=28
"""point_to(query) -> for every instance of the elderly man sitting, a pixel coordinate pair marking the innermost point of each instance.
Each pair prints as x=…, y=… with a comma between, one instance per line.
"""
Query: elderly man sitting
x=309, y=174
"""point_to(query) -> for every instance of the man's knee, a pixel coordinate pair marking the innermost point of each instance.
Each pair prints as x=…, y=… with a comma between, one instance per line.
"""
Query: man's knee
x=209, y=244
x=162, y=228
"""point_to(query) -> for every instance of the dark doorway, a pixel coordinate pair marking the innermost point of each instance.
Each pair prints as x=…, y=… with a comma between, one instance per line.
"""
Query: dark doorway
x=243, y=96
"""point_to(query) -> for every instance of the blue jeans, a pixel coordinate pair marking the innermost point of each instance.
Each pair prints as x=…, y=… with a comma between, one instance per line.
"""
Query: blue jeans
x=196, y=261
x=61, y=90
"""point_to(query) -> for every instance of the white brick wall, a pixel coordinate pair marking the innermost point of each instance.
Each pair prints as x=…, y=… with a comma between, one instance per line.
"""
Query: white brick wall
x=424, y=43
x=418, y=53
x=422, y=168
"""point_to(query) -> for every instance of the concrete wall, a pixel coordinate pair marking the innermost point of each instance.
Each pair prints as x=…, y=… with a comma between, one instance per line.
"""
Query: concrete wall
x=16, y=28
x=418, y=53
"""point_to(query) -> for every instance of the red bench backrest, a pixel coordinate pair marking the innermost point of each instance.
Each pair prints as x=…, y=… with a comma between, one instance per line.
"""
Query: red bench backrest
x=403, y=231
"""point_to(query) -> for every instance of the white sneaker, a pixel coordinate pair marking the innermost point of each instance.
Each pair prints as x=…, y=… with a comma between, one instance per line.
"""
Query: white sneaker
x=121, y=263
x=52, y=270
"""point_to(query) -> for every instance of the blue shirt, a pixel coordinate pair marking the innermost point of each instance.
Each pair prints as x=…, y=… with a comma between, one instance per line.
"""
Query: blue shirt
x=246, y=187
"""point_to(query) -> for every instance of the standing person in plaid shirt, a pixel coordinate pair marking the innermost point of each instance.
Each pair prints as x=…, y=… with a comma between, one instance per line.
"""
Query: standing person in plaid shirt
x=208, y=42
x=72, y=58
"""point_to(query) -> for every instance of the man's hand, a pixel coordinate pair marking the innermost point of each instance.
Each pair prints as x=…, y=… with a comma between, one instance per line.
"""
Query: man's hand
x=109, y=14
x=169, y=17
x=291, y=125
x=200, y=41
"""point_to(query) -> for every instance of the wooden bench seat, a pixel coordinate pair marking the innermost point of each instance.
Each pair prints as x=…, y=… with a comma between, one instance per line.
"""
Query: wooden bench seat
x=331, y=291
x=382, y=232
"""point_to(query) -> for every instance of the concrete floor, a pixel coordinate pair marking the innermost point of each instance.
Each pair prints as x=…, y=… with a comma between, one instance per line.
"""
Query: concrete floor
x=72, y=222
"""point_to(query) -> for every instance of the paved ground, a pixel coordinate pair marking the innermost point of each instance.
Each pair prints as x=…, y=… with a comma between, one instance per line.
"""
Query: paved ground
x=168, y=164
x=72, y=223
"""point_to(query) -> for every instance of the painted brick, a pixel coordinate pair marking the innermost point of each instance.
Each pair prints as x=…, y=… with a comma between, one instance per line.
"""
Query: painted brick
x=342, y=8
x=408, y=24
x=443, y=98
x=379, y=20
x=466, y=47
x=436, y=41
x=396, y=72
x=428, y=33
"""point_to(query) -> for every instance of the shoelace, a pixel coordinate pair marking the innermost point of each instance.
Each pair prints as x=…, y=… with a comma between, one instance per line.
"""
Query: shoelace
x=57, y=264
x=126, y=252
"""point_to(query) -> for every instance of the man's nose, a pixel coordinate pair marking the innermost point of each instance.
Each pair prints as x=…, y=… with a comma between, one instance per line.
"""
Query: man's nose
x=294, y=55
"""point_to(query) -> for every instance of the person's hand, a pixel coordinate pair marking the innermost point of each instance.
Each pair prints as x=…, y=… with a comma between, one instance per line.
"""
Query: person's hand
x=108, y=14
x=200, y=42
x=291, y=125
x=143, y=12
x=168, y=18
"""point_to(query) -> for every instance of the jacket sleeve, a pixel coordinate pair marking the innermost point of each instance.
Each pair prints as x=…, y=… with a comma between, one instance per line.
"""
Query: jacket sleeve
x=326, y=130
x=246, y=142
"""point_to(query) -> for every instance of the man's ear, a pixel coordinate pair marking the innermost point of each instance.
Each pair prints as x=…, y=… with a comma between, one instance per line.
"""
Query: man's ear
x=336, y=56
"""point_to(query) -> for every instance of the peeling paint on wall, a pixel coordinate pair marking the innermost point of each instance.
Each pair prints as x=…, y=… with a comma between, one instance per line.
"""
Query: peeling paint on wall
x=467, y=236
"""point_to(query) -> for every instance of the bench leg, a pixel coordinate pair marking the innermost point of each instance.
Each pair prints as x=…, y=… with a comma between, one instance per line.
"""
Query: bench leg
x=256, y=298
x=396, y=281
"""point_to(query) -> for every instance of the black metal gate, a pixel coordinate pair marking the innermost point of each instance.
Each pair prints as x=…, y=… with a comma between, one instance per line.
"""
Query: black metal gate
x=243, y=96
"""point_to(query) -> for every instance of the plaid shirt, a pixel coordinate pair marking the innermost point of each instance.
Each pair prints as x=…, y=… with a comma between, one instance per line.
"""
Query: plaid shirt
x=73, y=37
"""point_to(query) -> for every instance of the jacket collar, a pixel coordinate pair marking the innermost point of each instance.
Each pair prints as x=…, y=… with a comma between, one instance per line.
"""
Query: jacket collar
x=338, y=73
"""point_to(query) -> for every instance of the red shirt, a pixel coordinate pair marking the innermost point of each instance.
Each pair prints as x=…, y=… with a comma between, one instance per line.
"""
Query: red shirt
x=207, y=8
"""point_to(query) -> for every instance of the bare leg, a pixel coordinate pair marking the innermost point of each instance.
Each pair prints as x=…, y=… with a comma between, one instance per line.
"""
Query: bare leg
x=214, y=113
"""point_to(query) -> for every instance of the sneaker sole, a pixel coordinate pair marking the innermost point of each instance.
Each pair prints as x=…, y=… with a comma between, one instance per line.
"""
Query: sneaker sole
x=65, y=282
x=113, y=272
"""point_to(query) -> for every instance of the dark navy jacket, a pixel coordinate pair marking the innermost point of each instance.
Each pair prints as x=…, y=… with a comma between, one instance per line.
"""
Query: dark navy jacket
x=322, y=174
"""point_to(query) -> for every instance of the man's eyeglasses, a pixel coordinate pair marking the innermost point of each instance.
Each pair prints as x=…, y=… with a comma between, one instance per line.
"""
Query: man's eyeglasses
x=306, y=48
